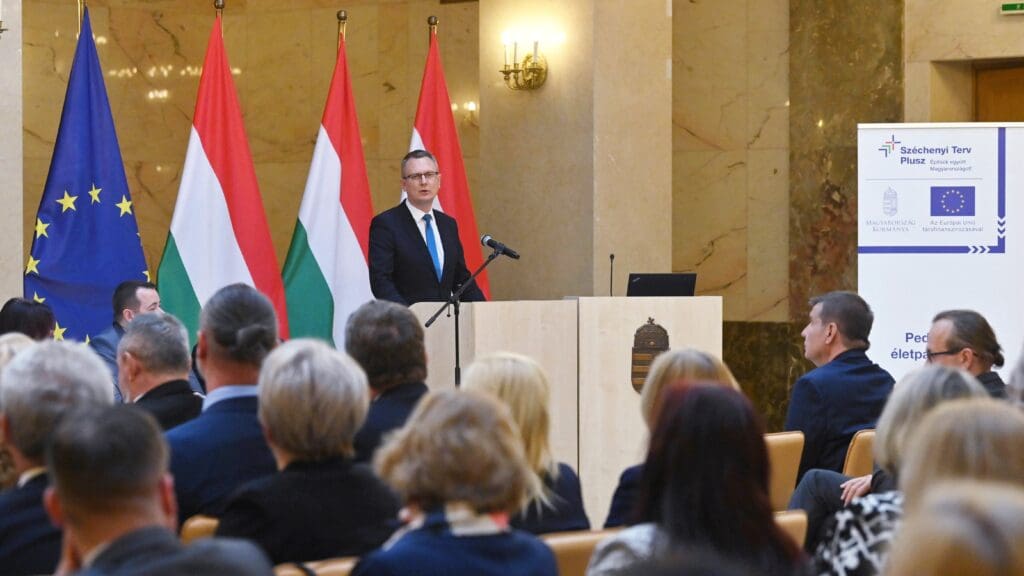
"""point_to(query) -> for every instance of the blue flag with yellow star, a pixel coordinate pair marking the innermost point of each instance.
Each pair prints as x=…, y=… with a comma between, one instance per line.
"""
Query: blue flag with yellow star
x=86, y=241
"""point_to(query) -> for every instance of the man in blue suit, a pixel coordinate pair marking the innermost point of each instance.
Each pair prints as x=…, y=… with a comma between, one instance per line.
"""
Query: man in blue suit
x=415, y=253
x=214, y=454
x=846, y=392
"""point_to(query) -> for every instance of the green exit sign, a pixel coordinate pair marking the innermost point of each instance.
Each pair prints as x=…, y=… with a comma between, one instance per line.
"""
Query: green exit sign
x=1011, y=8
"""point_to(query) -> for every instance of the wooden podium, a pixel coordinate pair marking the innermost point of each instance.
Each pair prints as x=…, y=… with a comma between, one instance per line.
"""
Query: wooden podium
x=585, y=346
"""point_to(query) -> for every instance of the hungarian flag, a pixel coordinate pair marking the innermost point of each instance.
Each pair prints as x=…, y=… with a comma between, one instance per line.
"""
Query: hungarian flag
x=326, y=276
x=434, y=131
x=219, y=233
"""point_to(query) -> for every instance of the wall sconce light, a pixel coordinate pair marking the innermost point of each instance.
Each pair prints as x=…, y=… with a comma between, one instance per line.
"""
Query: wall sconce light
x=528, y=73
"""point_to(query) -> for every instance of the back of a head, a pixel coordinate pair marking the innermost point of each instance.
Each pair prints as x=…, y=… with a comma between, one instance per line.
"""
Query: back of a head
x=240, y=323
x=977, y=438
x=159, y=342
x=520, y=383
x=106, y=460
x=386, y=339
x=971, y=528
x=971, y=330
x=912, y=398
x=680, y=365
x=458, y=446
x=33, y=319
x=313, y=400
x=851, y=314
x=44, y=382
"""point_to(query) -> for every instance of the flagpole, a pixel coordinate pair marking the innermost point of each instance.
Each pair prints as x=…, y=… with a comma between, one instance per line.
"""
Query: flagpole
x=218, y=5
x=432, y=23
x=342, y=22
x=81, y=8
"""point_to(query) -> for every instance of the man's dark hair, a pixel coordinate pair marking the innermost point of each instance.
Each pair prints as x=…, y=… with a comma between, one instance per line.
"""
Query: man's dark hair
x=102, y=458
x=414, y=155
x=33, y=319
x=240, y=323
x=851, y=314
x=971, y=330
x=126, y=296
x=386, y=339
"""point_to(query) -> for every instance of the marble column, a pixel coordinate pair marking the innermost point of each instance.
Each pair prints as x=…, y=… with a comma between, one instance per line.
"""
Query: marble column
x=11, y=113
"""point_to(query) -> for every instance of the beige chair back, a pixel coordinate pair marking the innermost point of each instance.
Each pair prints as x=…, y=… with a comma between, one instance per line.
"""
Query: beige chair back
x=197, y=527
x=573, y=549
x=794, y=524
x=784, y=451
x=859, y=459
x=329, y=567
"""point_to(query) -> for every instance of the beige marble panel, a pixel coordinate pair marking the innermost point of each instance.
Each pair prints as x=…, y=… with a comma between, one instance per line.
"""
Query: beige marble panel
x=768, y=104
x=959, y=30
x=11, y=154
x=768, y=235
x=917, y=91
x=952, y=92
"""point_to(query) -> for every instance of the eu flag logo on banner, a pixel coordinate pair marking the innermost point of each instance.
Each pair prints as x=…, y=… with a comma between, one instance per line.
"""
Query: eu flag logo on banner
x=86, y=241
x=952, y=200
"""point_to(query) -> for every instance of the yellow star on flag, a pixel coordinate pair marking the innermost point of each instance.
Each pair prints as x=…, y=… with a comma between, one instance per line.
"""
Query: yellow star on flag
x=41, y=228
x=86, y=339
x=67, y=202
x=37, y=298
x=32, y=266
x=125, y=205
x=148, y=278
x=95, y=193
x=58, y=332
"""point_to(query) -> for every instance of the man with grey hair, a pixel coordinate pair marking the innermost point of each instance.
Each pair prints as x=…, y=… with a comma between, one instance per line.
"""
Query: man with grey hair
x=37, y=389
x=153, y=364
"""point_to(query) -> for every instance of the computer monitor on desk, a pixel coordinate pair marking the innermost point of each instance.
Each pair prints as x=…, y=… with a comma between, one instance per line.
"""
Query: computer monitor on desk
x=683, y=284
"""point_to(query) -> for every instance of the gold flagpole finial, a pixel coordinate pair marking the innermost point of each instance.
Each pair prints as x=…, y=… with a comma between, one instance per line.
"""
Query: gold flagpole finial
x=432, y=23
x=218, y=5
x=342, y=22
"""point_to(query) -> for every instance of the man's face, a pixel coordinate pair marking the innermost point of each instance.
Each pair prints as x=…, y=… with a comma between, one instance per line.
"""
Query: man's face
x=938, y=347
x=421, y=182
x=149, y=301
x=815, y=334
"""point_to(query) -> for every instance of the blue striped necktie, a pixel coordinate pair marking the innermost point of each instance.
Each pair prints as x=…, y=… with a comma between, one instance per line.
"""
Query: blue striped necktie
x=432, y=246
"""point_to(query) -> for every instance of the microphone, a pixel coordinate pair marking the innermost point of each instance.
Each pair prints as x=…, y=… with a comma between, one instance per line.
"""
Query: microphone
x=500, y=248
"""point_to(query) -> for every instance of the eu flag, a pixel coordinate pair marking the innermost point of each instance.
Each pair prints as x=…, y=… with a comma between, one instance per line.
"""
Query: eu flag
x=86, y=240
x=952, y=201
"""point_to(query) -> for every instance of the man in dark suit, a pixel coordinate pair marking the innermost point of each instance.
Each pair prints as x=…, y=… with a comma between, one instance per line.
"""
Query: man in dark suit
x=386, y=339
x=115, y=501
x=415, y=253
x=131, y=298
x=223, y=448
x=847, y=391
x=39, y=387
x=153, y=362
x=964, y=339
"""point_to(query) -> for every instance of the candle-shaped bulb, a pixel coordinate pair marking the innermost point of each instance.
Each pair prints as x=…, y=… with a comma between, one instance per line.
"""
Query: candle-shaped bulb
x=535, y=52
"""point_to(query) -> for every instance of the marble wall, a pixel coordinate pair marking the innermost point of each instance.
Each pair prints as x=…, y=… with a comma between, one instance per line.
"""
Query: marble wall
x=11, y=85
x=283, y=55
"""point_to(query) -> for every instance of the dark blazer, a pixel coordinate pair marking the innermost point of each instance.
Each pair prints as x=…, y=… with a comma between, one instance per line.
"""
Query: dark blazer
x=105, y=345
x=388, y=412
x=29, y=543
x=832, y=402
x=993, y=384
x=172, y=403
x=627, y=493
x=313, y=510
x=156, y=551
x=565, y=512
x=401, y=269
x=216, y=453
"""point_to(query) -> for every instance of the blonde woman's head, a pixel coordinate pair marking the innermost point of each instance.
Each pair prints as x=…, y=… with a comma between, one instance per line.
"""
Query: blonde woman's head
x=680, y=365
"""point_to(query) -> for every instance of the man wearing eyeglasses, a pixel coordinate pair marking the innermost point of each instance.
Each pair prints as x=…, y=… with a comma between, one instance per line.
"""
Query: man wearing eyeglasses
x=964, y=339
x=415, y=253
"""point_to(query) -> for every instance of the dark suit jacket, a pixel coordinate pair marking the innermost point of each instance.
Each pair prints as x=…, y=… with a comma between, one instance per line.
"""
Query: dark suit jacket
x=172, y=403
x=216, y=453
x=627, y=493
x=156, y=551
x=29, y=543
x=832, y=402
x=105, y=345
x=313, y=510
x=388, y=412
x=993, y=384
x=401, y=269
x=565, y=512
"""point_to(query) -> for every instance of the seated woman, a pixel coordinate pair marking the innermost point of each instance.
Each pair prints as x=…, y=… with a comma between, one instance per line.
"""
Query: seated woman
x=312, y=400
x=556, y=503
x=705, y=486
x=681, y=365
x=459, y=465
x=31, y=318
x=975, y=438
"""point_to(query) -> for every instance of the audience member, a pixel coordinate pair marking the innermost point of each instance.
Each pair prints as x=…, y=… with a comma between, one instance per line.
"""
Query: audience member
x=705, y=485
x=131, y=298
x=153, y=364
x=460, y=468
x=681, y=365
x=846, y=392
x=223, y=448
x=976, y=438
x=31, y=318
x=386, y=339
x=37, y=389
x=115, y=501
x=972, y=528
x=964, y=339
x=320, y=505
x=10, y=344
x=556, y=504
x=822, y=493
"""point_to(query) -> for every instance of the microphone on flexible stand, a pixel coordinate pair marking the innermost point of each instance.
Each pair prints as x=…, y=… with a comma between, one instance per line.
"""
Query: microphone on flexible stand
x=611, y=273
x=498, y=247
